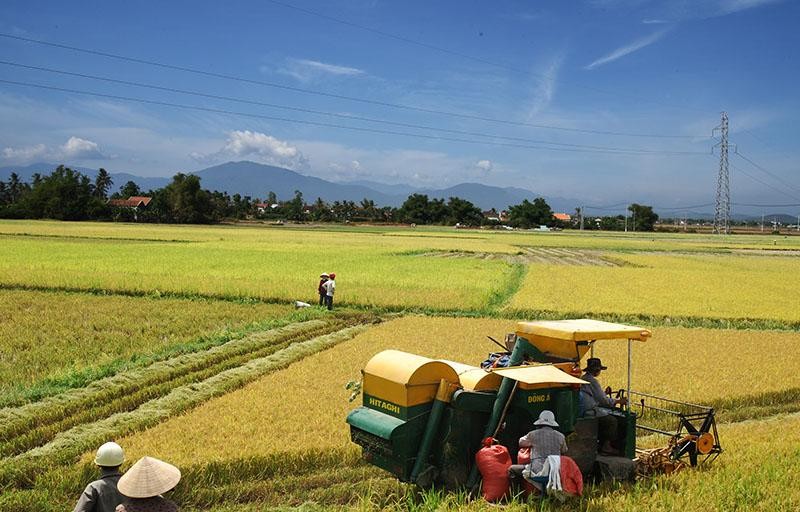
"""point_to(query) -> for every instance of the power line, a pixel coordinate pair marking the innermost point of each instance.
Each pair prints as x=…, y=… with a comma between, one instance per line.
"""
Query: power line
x=327, y=125
x=765, y=171
x=320, y=112
x=679, y=208
x=339, y=96
x=776, y=189
x=790, y=205
x=466, y=56
x=765, y=143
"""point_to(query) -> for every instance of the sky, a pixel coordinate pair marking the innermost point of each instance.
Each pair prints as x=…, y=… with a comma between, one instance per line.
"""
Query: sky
x=604, y=101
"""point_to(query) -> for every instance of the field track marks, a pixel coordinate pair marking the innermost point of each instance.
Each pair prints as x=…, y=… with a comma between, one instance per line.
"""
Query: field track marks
x=542, y=255
x=26, y=427
x=24, y=470
x=501, y=296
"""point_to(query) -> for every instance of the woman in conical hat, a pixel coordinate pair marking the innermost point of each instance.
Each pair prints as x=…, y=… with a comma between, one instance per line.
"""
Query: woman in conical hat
x=144, y=483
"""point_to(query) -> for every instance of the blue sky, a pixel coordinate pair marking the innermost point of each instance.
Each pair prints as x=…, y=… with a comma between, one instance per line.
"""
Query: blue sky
x=635, y=67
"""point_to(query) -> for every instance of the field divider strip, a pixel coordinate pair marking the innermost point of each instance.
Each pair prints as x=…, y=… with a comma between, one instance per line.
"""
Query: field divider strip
x=67, y=445
x=661, y=320
x=31, y=425
x=506, y=292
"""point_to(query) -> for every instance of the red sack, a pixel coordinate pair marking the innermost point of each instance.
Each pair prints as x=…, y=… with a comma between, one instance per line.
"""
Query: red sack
x=524, y=455
x=493, y=462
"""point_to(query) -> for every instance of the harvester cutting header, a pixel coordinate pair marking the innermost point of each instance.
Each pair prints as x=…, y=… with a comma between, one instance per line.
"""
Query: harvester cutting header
x=424, y=420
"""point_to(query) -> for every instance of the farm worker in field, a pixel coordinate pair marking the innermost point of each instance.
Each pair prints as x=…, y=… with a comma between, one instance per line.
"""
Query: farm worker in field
x=330, y=288
x=143, y=485
x=596, y=403
x=102, y=495
x=543, y=440
x=323, y=277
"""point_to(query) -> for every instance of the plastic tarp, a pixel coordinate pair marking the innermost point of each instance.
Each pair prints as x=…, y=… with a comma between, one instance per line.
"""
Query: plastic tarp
x=545, y=374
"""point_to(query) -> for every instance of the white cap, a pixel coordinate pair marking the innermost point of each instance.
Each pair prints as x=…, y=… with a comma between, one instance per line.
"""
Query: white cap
x=110, y=455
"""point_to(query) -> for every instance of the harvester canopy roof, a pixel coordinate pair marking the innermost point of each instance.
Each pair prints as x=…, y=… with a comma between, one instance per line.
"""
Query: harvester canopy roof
x=544, y=374
x=581, y=330
x=473, y=378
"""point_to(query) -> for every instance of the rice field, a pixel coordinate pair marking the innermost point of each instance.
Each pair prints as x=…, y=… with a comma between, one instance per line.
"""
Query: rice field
x=286, y=269
x=181, y=342
x=62, y=336
x=257, y=420
x=716, y=286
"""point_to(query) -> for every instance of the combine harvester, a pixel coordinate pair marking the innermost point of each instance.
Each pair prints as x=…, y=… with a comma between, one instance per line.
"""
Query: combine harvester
x=423, y=420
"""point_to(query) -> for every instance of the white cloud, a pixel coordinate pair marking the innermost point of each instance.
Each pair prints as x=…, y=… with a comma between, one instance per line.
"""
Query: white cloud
x=259, y=146
x=484, y=165
x=545, y=91
x=682, y=10
x=628, y=49
x=306, y=70
x=24, y=154
x=81, y=149
x=731, y=6
x=75, y=148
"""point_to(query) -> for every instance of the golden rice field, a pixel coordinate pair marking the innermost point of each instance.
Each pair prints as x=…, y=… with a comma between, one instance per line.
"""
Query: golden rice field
x=388, y=267
x=718, y=286
x=434, y=237
x=285, y=268
x=49, y=335
x=697, y=365
x=248, y=397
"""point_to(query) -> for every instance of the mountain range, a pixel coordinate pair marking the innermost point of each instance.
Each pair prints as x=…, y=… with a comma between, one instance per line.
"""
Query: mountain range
x=256, y=180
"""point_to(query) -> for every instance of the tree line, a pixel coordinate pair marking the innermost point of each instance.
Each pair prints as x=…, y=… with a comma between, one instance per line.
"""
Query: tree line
x=66, y=194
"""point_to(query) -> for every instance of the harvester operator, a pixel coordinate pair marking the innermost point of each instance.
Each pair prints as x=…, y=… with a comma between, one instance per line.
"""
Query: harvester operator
x=596, y=403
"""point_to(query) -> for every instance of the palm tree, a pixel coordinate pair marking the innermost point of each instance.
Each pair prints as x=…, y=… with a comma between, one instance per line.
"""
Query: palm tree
x=102, y=183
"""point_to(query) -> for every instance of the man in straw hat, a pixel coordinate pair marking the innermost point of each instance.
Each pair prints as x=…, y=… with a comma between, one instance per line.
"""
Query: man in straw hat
x=543, y=440
x=596, y=403
x=144, y=483
x=102, y=495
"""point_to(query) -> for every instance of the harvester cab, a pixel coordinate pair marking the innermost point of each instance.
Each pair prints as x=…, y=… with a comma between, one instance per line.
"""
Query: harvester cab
x=423, y=420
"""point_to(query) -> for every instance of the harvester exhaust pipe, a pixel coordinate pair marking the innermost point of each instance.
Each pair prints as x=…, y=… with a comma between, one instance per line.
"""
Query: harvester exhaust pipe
x=443, y=395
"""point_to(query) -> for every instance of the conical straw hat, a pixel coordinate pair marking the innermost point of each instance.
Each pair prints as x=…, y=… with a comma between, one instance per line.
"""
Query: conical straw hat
x=148, y=477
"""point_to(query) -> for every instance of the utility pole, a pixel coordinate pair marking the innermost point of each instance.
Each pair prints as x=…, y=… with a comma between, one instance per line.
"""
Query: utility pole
x=582, y=207
x=633, y=222
x=722, y=209
x=762, y=222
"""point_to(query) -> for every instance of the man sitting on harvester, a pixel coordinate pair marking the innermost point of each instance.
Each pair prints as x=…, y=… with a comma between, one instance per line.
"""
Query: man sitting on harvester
x=596, y=403
x=544, y=440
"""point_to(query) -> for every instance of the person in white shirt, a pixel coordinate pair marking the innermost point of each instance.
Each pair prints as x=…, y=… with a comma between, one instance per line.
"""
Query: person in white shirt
x=330, y=288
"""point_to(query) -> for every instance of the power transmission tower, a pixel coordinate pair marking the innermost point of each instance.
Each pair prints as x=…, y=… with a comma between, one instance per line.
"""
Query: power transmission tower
x=722, y=209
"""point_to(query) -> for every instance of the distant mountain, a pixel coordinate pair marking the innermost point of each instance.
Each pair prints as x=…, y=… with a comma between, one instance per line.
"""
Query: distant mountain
x=26, y=173
x=145, y=183
x=389, y=190
x=487, y=196
x=257, y=180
